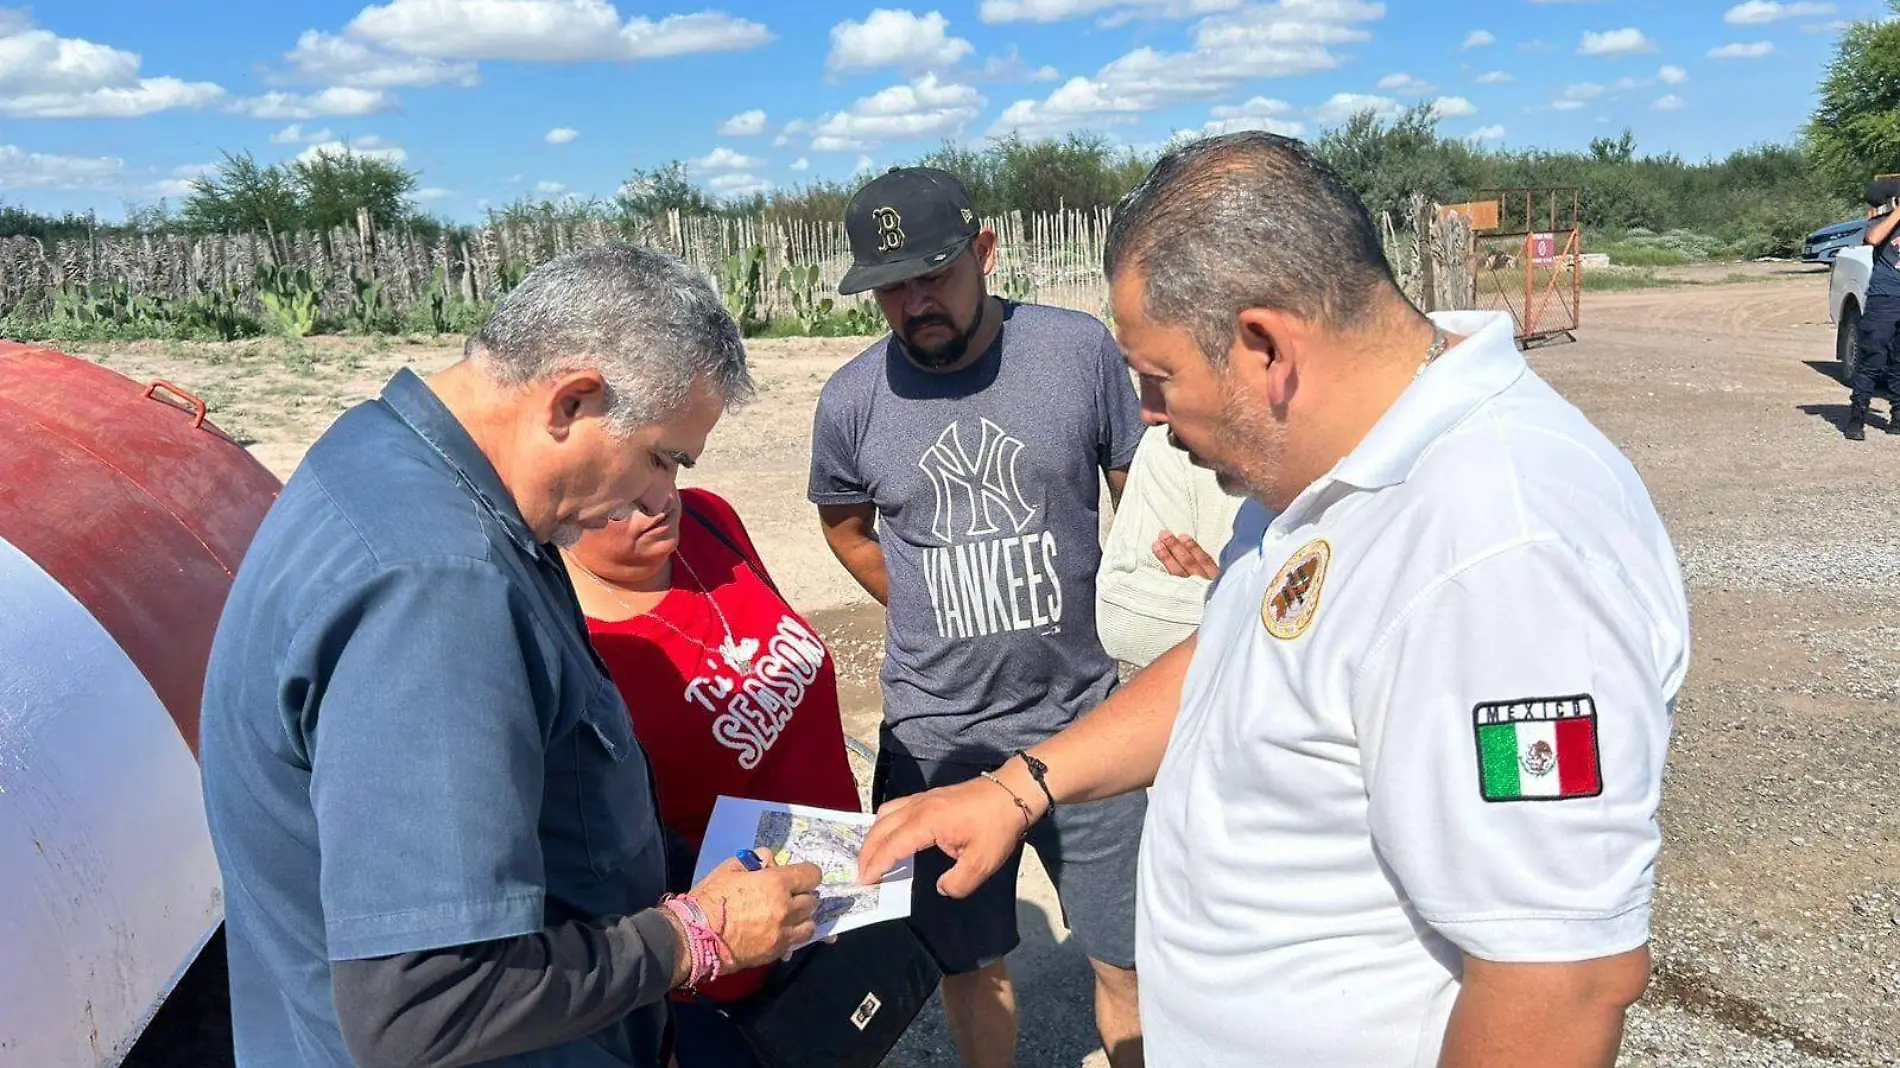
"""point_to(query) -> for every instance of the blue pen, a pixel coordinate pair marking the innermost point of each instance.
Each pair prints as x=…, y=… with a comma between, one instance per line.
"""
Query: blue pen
x=748, y=858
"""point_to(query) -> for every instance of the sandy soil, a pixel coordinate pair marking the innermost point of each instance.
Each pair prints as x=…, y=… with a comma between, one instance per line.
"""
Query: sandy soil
x=1778, y=906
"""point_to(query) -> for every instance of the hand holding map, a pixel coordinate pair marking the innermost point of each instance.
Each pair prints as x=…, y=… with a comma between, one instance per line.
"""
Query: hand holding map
x=827, y=838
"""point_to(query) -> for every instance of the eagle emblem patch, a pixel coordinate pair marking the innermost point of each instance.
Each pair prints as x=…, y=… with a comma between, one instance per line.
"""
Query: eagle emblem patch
x=1293, y=596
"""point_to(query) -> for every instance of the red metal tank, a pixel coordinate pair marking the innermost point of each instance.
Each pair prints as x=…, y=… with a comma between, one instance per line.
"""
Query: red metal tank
x=123, y=516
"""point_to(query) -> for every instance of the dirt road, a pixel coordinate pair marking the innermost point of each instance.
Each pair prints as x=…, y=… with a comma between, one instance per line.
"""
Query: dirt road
x=1777, y=926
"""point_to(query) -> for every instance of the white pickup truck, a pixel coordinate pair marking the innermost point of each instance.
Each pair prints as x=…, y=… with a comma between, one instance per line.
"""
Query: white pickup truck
x=1846, y=297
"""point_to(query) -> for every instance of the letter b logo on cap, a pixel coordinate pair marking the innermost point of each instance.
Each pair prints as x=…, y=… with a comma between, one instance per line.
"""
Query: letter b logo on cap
x=890, y=233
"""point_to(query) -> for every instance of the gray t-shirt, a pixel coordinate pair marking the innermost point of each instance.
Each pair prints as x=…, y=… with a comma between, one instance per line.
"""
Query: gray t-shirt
x=987, y=487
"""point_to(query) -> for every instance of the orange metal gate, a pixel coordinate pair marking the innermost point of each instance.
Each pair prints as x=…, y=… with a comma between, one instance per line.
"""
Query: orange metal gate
x=1529, y=262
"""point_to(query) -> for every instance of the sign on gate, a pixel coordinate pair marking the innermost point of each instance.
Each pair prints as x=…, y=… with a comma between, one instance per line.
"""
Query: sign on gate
x=1529, y=262
x=1543, y=250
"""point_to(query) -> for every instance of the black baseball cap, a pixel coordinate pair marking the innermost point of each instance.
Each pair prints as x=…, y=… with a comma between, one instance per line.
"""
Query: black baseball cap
x=906, y=222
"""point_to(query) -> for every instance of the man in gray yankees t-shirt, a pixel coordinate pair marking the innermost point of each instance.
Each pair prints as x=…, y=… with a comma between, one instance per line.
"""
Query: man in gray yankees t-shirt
x=957, y=466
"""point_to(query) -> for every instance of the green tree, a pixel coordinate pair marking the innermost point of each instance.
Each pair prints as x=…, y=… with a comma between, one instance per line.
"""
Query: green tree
x=242, y=197
x=1855, y=131
x=661, y=190
x=1614, y=149
x=318, y=193
x=1389, y=162
x=819, y=202
x=1080, y=171
x=331, y=187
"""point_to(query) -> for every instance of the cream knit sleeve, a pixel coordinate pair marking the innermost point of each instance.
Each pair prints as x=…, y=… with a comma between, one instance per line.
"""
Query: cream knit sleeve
x=1141, y=611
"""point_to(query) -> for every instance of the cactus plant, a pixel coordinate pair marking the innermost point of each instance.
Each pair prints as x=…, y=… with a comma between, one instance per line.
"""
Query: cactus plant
x=812, y=313
x=291, y=296
x=367, y=294
x=438, y=294
x=741, y=282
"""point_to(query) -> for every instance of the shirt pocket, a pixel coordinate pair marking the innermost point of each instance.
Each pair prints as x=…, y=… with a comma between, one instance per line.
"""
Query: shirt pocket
x=613, y=790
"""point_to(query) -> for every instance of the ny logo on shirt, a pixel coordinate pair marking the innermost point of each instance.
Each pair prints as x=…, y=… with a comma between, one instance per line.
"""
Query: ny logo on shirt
x=975, y=495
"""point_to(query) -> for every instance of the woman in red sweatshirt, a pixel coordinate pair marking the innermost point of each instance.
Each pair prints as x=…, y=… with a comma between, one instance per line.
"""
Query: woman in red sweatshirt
x=730, y=689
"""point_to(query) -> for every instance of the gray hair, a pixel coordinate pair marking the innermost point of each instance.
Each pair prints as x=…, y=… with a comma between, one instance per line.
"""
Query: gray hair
x=1248, y=220
x=643, y=319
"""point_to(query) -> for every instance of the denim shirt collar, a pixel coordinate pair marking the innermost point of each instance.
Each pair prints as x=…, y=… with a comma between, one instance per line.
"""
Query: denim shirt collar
x=422, y=411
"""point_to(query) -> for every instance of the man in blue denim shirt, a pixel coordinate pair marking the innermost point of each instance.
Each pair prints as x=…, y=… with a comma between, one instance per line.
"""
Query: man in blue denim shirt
x=435, y=826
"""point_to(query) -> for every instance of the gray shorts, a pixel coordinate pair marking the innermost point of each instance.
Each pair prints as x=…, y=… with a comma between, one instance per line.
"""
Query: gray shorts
x=1089, y=851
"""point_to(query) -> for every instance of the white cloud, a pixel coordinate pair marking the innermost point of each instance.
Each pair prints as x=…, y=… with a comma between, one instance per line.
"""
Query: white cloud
x=431, y=193
x=1750, y=50
x=1624, y=42
x=326, y=59
x=1258, y=113
x=801, y=164
x=549, y=31
x=340, y=100
x=149, y=95
x=45, y=76
x=739, y=185
x=1671, y=102
x=561, y=135
x=1059, y=10
x=865, y=166
x=1405, y=85
x=1584, y=91
x=1453, y=107
x=1343, y=106
x=923, y=107
x=1256, y=42
x=744, y=124
x=1832, y=26
x=725, y=159
x=1758, y=12
x=1012, y=67
x=549, y=189
x=295, y=134
x=20, y=169
x=1488, y=133
x=895, y=38
x=51, y=64
x=1478, y=39
x=1496, y=77
x=1566, y=105
x=1672, y=75
x=370, y=147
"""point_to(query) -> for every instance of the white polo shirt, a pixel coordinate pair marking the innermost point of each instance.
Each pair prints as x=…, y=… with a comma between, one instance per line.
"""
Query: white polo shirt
x=1428, y=714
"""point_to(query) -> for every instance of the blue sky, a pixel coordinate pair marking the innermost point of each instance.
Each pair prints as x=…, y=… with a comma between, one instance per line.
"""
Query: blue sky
x=105, y=102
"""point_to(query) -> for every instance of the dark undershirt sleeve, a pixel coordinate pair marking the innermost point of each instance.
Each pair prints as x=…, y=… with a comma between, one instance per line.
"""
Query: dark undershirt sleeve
x=464, y=1004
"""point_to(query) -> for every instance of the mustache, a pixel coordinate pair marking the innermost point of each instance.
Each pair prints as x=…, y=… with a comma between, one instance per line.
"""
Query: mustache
x=912, y=325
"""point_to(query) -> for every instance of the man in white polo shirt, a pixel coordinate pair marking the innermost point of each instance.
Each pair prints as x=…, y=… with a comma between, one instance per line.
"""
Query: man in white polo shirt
x=1406, y=775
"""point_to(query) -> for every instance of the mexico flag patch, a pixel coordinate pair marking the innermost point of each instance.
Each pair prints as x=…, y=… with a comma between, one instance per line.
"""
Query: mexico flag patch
x=1538, y=749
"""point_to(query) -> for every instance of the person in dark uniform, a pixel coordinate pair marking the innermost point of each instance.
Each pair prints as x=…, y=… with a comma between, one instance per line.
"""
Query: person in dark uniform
x=1875, y=361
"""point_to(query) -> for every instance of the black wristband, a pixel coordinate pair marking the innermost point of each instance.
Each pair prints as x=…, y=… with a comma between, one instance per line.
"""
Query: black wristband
x=1038, y=771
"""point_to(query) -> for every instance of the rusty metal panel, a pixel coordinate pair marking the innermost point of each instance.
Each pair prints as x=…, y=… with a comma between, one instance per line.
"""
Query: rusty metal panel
x=1481, y=214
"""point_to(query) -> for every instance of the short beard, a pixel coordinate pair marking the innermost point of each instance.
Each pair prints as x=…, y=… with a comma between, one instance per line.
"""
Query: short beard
x=946, y=354
x=566, y=536
x=1258, y=447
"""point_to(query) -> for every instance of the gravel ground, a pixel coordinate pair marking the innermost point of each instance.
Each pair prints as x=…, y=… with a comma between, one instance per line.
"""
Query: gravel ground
x=1777, y=913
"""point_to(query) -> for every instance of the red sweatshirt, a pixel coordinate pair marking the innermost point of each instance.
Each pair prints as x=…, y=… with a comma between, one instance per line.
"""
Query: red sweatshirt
x=773, y=733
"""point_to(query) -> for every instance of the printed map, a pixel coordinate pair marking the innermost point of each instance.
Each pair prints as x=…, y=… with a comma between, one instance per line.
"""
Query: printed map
x=832, y=845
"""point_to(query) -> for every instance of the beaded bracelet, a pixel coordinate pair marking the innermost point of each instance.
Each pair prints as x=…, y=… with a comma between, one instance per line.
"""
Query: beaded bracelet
x=1029, y=815
x=708, y=950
